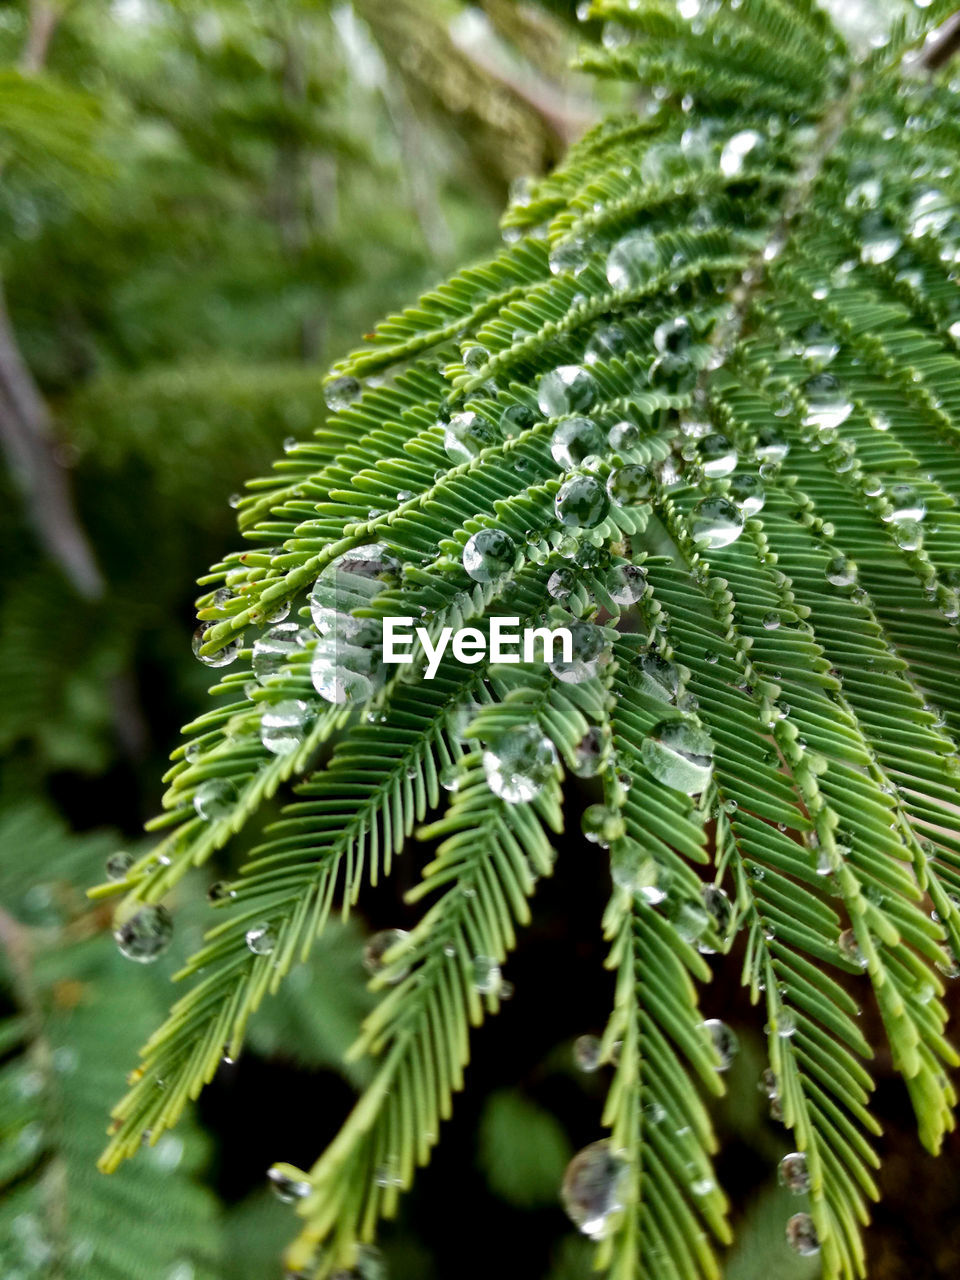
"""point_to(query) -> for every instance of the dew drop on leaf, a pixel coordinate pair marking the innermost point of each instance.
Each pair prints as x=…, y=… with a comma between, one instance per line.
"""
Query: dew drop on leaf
x=906, y=503
x=841, y=572
x=287, y=1187
x=735, y=151
x=724, y=1042
x=592, y=1190
x=771, y=445
x=659, y=677
x=633, y=260
x=118, y=864
x=747, y=494
x=486, y=975
x=592, y=753
x=377, y=947
x=802, y=1235
x=606, y=342
x=792, y=1173
x=146, y=935
x=260, y=938
x=718, y=457
x=340, y=393
x=520, y=764
x=574, y=440
x=680, y=755
x=602, y=824
x=284, y=725
x=466, y=435
x=488, y=555
x=223, y=657
x=215, y=798
x=716, y=523
x=629, y=485
x=589, y=650
x=567, y=389
x=587, y=1053
x=581, y=502
x=274, y=649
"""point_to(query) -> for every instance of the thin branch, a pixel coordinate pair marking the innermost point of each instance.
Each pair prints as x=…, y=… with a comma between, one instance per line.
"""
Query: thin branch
x=27, y=439
x=943, y=44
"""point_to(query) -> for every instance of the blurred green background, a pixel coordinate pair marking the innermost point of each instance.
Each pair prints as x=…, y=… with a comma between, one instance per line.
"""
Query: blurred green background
x=201, y=206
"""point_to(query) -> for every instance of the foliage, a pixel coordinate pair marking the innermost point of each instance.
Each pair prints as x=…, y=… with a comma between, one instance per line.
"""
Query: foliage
x=749, y=282
x=763, y=280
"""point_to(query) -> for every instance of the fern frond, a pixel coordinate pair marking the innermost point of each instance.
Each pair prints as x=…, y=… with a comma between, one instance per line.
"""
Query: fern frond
x=732, y=320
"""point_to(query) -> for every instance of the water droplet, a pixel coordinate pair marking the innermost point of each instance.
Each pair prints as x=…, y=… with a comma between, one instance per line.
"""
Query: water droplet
x=635, y=870
x=223, y=657
x=605, y=343
x=673, y=337
x=680, y=755
x=908, y=535
x=274, y=649
x=625, y=583
x=488, y=555
x=351, y=581
x=786, y=1024
x=286, y=1186
x=718, y=907
x=146, y=935
x=592, y=1191
x=850, y=948
x=575, y=440
x=827, y=404
x=515, y=419
x=581, y=502
x=284, y=725
x=735, y=152
x=879, y=241
x=261, y=938
x=771, y=620
x=630, y=485
x=724, y=1041
x=561, y=582
x=340, y=393
x=118, y=864
x=569, y=255
x=623, y=436
x=602, y=824
x=793, y=1173
x=716, y=523
x=587, y=1053
x=841, y=572
x=221, y=891
x=215, y=799
x=592, y=752
x=659, y=677
x=377, y=947
x=768, y=1083
x=519, y=765
x=748, y=494
x=819, y=344
x=486, y=975
x=466, y=435
x=633, y=260
x=589, y=651
x=771, y=446
x=568, y=389
x=802, y=1235
x=718, y=457
x=906, y=503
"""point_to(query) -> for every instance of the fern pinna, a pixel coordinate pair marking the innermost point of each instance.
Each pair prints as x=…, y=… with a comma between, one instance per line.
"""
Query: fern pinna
x=703, y=410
